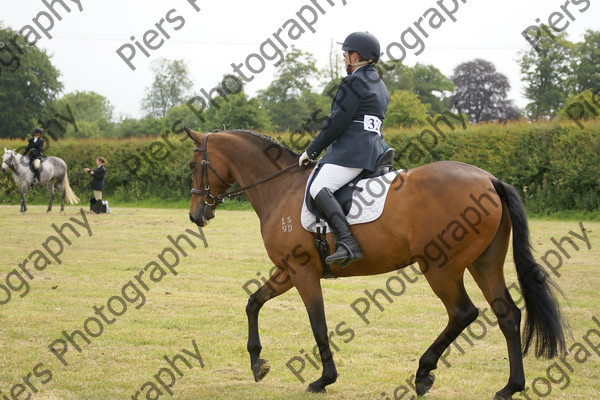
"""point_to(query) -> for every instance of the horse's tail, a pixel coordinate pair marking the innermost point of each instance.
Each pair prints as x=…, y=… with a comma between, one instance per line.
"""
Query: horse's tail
x=544, y=320
x=71, y=198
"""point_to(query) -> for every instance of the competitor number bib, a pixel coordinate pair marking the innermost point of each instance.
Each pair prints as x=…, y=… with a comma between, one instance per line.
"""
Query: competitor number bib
x=372, y=123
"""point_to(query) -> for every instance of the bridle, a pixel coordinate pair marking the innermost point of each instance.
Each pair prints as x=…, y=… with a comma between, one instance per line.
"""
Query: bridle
x=205, y=165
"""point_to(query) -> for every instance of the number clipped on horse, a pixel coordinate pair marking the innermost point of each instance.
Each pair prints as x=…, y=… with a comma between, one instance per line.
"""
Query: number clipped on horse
x=54, y=170
x=448, y=207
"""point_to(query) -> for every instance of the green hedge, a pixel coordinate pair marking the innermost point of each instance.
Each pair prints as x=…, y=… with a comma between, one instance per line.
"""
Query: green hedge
x=137, y=169
x=554, y=165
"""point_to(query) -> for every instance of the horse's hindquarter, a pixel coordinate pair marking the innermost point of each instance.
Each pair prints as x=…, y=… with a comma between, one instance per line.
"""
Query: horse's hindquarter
x=435, y=214
x=452, y=213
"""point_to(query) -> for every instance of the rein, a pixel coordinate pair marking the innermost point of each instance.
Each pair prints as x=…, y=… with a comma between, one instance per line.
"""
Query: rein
x=205, y=191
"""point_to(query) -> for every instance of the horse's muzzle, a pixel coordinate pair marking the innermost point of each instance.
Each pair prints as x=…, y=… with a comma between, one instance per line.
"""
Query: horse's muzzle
x=202, y=215
x=200, y=221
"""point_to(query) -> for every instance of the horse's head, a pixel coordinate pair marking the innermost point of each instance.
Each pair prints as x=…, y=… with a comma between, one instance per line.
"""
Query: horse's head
x=7, y=159
x=211, y=178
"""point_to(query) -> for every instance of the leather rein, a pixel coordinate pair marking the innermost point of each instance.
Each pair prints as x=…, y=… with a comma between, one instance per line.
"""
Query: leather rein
x=205, y=165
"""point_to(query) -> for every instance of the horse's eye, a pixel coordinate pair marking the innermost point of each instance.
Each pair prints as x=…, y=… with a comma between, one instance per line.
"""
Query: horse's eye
x=193, y=165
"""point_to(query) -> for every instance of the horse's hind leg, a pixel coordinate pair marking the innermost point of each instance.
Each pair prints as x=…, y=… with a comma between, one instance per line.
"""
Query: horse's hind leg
x=62, y=193
x=50, y=186
x=277, y=284
x=488, y=272
x=461, y=312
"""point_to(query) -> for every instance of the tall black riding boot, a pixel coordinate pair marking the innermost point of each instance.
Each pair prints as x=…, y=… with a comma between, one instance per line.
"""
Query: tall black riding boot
x=347, y=249
x=98, y=207
x=36, y=177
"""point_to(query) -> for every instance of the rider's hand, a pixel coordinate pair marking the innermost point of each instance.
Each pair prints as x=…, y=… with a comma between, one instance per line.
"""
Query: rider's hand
x=304, y=159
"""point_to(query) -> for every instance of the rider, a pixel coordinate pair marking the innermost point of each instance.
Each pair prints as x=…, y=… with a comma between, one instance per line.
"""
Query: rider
x=34, y=148
x=354, y=132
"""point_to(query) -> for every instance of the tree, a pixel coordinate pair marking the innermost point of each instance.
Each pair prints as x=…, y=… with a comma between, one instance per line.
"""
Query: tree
x=147, y=126
x=431, y=86
x=92, y=113
x=240, y=113
x=396, y=76
x=284, y=97
x=581, y=106
x=586, y=65
x=169, y=88
x=332, y=72
x=28, y=84
x=406, y=110
x=480, y=91
x=547, y=75
x=293, y=76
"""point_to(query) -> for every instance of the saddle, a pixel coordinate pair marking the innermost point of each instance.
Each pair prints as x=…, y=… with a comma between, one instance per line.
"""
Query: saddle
x=383, y=166
x=344, y=194
x=41, y=164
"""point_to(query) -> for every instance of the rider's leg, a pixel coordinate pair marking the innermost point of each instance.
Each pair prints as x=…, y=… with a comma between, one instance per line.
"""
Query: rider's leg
x=98, y=203
x=36, y=171
x=329, y=179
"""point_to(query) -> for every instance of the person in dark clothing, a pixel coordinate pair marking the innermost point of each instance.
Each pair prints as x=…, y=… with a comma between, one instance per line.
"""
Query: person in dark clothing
x=97, y=183
x=35, y=148
x=352, y=136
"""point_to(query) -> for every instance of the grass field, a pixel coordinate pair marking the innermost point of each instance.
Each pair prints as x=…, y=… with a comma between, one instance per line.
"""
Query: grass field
x=204, y=304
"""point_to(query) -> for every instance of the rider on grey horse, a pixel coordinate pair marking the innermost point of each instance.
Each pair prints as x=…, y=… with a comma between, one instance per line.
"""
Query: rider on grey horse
x=34, y=148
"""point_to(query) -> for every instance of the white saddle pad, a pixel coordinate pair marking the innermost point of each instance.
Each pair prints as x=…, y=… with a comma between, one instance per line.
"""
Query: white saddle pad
x=367, y=202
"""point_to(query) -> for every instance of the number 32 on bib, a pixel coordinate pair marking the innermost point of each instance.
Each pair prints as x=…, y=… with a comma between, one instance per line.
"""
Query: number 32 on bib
x=373, y=124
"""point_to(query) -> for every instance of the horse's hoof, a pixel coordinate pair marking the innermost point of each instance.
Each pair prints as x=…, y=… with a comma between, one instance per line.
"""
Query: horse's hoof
x=313, y=389
x=424, y=384
x=21, y=213
x=499, y=396
x=260, y=369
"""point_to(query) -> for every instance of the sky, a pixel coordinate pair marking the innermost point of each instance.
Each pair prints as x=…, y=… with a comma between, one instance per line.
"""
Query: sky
x=212, y=35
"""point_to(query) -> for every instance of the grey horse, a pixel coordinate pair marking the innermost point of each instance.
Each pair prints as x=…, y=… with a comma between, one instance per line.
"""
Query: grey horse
x=54, y=170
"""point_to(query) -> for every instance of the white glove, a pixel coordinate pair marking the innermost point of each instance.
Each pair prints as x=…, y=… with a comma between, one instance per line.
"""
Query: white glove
x=304, y=159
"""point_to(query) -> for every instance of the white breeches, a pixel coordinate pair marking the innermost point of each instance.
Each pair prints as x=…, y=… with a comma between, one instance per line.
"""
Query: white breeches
x=333, y=177
x=36, y=163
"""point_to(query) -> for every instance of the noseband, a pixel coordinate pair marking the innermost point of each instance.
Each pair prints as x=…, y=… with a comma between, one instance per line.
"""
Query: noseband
x=211, y=200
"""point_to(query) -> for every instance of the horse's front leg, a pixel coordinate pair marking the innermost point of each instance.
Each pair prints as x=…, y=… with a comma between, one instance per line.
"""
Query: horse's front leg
x=309, y=287
x=277, y=284
x=51, y=192
x=23, y=203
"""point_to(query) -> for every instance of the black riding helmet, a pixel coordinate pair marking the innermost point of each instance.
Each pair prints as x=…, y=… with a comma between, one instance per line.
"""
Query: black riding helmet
x=364, y=44
x=37, y=130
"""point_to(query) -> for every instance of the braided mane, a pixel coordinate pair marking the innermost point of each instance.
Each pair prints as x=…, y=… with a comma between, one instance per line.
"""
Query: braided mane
x=264, y=138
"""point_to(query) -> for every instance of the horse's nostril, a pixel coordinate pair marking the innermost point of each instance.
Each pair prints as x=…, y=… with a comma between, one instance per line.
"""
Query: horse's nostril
x=192, y=218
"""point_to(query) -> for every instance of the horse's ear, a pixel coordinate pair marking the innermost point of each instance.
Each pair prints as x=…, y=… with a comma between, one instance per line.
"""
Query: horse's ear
x=195, y=136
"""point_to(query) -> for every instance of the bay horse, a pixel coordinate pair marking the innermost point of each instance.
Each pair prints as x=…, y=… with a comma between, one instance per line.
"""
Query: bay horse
x=54, y=170
x=445, y=207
